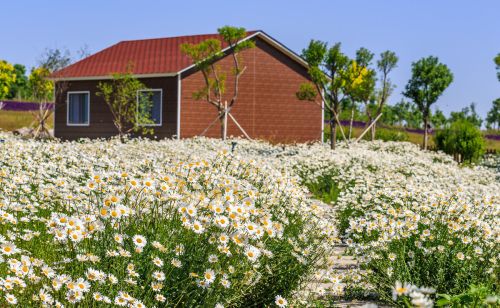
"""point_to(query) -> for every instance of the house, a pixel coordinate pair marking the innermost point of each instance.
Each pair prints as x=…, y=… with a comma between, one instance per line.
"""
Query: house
x=267, y=107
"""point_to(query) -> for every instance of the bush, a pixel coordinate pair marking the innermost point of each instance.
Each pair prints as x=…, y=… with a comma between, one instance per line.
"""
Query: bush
x=461, y=139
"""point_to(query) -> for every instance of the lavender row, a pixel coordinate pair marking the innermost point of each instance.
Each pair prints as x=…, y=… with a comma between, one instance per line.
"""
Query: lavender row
x=23, y=106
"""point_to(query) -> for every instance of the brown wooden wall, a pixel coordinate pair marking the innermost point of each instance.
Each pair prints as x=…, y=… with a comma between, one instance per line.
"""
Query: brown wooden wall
x=267, y=107
x=101, y=120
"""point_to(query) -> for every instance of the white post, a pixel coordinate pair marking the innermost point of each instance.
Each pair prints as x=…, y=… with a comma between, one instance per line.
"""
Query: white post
x=179, y=84
x=224, y=136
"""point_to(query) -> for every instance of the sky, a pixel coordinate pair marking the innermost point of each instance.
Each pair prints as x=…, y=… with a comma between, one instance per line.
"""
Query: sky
x=463, y=34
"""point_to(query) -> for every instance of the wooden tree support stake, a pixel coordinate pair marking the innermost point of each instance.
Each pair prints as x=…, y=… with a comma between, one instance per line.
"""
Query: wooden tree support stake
x=368, y=128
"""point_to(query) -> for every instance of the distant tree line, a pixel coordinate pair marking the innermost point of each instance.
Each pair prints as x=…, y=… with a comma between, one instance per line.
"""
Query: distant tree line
x=358, y=90
x=17, y=84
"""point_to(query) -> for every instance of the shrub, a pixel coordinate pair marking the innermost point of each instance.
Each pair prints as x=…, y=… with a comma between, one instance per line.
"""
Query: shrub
x=461, y=139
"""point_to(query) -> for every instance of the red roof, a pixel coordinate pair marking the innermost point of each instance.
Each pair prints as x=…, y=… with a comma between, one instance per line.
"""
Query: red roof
x=148, y=57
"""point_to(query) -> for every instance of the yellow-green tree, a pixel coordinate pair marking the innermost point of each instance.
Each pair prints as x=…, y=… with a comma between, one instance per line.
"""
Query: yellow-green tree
x=42, y=89
x=359, y=86
x=7, y=78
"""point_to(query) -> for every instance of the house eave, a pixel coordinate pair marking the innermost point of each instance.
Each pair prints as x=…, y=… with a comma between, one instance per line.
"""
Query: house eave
x=109, y=77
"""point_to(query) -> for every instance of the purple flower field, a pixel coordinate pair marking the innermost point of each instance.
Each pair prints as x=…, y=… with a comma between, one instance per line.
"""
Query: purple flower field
x=23, y=106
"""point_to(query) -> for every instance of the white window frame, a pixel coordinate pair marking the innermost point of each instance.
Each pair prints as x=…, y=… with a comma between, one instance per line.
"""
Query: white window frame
x=67, y=109
x=161, y=106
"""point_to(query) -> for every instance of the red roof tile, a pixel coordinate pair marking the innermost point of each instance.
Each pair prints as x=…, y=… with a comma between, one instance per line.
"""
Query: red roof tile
x=148, y=56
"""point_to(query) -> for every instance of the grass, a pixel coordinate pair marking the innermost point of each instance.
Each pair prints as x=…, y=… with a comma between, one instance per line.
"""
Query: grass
x=12, y=120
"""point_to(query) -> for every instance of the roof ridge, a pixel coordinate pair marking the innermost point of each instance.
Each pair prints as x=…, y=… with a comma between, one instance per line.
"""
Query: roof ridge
x=179, y=36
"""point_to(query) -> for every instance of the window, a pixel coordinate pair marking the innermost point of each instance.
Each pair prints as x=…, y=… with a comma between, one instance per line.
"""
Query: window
x=78, y=108
x=149, y=107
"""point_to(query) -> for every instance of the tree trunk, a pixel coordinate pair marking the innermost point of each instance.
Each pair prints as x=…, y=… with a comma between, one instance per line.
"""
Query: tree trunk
x=333, y=133
x=373, y=131
x=223, y=124
x=426, y=121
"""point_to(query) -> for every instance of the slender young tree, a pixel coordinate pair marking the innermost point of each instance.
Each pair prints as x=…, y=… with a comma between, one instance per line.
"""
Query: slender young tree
x=205, y=54
x=121, y=96
x=429, y=80
x=388, y=61
x=42, y=90
x=327, y=68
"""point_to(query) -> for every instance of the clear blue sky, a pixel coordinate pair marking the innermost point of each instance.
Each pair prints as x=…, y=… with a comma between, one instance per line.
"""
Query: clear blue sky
x=465, y=35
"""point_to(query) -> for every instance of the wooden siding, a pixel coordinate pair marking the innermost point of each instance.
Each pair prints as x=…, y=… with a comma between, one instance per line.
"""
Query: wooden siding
x=267, y=107
x=101, y=120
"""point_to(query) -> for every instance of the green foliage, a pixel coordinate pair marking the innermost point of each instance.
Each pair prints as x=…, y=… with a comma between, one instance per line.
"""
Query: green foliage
x=205, y=54
x=493, y=116
x=327, y=70
x=364, y=57
x=497, y=62
x=7, y=78
x=429, y=80
x=402, y=114
x=307, y=92
x=475, y=296
x=438, y=119
x=391, y=135
x=388, y=61
x=233, y=35
x=468, y=114
x=19, y=88
x=120, y=94
x=461, y=138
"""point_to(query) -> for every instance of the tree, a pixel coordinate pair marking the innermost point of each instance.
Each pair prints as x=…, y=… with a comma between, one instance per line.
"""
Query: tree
x=468, y=114
x=497, y=62
x=19, y=89
x=120, y=94
x=388, y=61
x=7, y=78
x=40, y=86
x=327, y=67
x=438, y=119
x=204, y=55
x=54, y=59
x=42, y=90
x=493, y=116
x=429, y=80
